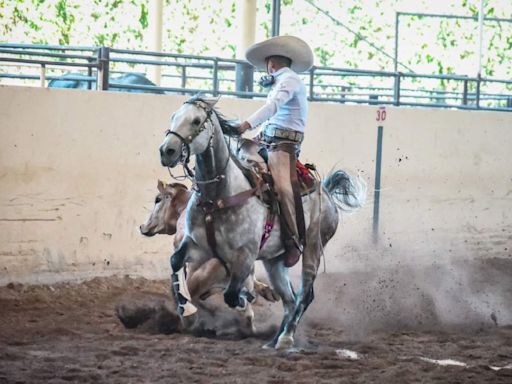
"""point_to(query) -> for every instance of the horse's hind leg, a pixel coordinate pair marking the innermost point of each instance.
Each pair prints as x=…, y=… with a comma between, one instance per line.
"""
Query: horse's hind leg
x=278, y=276
x=304, y=297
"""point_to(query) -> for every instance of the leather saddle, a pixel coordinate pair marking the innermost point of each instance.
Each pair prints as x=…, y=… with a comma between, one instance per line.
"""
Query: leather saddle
x=254, y=166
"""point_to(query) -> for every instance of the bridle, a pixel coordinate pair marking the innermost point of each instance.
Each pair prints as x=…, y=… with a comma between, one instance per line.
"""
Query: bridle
x=185, y=147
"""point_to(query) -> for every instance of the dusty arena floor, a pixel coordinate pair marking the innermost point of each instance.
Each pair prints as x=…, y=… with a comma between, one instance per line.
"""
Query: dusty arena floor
x=70, y=333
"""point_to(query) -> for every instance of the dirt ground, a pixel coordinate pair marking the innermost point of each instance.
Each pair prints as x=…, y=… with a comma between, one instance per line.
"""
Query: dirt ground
x=70, y=333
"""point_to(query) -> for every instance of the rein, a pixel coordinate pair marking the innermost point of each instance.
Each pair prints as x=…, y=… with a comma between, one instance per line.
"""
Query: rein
x=185, y=153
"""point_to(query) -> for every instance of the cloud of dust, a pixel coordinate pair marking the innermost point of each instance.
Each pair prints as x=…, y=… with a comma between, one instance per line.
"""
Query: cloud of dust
x=392, y=292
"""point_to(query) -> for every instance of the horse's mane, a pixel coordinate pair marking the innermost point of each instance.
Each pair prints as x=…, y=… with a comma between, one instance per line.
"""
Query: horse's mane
x=229, y=126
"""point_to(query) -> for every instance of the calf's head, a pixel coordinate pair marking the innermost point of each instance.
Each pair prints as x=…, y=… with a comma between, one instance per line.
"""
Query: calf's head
x=170, y=202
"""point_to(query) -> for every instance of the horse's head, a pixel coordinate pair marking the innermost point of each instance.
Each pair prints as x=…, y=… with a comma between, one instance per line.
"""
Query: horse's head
x=169, y=204
x=190, y=132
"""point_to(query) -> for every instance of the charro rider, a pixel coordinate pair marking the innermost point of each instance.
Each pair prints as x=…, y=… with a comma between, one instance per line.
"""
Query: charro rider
x=284, y=117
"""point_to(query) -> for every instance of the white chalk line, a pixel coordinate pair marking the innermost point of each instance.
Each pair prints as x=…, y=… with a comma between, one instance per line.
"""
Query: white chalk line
x=353, y=355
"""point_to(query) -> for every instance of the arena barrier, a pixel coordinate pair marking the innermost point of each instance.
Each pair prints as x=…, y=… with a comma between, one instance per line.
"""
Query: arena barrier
x=79, y=169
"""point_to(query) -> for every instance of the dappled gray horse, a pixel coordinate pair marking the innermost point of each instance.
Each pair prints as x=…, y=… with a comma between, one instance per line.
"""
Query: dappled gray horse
x=200, y=281
x=226, y=220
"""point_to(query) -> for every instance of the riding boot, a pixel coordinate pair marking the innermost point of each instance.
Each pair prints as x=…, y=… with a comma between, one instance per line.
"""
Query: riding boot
x=292, y=246
x=292, y=253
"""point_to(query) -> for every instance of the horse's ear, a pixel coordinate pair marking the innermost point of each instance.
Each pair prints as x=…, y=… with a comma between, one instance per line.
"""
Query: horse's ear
x=160, y=186
x=178, y=186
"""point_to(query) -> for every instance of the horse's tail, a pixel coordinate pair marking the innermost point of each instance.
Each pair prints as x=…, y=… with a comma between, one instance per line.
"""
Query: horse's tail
x=348, y=193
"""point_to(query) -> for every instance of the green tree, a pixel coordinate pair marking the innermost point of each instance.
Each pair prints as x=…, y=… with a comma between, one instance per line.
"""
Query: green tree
x=210, y=27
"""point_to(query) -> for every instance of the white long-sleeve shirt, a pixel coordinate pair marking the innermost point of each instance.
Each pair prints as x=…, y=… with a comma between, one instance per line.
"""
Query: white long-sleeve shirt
x=287, y=103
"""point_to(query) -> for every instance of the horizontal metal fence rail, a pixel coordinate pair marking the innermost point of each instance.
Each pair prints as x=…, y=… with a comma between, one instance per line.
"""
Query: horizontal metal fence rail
x=190, y=74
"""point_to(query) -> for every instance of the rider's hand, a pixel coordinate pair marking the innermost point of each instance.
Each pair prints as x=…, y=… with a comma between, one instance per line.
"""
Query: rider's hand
x=244, y=127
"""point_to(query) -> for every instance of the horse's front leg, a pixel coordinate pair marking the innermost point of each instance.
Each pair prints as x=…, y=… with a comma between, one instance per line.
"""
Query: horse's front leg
x=238, y=294
x=240, y=269
x=179, y=287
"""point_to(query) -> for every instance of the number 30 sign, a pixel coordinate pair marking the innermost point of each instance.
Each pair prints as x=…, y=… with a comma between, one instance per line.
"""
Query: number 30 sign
x=381, y=114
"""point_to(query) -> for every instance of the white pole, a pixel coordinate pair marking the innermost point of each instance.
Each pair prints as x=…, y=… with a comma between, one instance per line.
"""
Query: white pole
x=155, y=11
x=247, y=26
x=480, y=35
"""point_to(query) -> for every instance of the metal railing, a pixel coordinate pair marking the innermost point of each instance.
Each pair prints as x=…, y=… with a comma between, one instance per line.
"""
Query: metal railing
x=190, y=74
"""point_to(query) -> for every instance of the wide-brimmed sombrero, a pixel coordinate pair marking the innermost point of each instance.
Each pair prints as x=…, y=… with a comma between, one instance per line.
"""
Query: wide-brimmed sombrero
x=289, y=46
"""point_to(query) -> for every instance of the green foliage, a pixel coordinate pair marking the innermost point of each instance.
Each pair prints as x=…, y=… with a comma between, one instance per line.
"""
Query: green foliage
x=64, y=21
x=324, y=56
x=143, y=18
x=427, y=45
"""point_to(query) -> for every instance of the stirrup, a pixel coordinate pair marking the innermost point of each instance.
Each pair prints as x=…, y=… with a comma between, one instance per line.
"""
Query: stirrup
x=294, y=242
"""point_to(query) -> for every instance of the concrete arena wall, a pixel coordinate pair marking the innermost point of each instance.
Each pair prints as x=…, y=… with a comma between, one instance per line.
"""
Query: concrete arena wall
x=78, y=173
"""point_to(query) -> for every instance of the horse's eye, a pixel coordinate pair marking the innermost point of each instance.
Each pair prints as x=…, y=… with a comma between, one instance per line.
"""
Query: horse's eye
x=158, y=199
x=167, y=197
x=196, y=121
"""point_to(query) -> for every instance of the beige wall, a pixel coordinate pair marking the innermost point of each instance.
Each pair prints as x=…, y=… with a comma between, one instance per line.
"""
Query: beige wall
x=78, y=173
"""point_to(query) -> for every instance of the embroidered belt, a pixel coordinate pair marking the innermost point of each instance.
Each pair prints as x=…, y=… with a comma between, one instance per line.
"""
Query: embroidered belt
x=288, y=134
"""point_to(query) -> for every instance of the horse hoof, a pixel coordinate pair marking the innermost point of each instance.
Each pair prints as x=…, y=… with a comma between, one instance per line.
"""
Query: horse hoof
x=284, y=342
x=232, y=299
x=189, y=309
x=242, y=305
x=269, y=345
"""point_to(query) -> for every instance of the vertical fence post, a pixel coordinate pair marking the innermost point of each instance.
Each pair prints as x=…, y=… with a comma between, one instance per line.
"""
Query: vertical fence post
x=396, y=89
x=215, y=77
x=478, y=81
x=183, y=78
x=43, y=76
x=89, y=74
x=244, y=79
x=465, y=93
x=312, y=83
x=103, y=70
